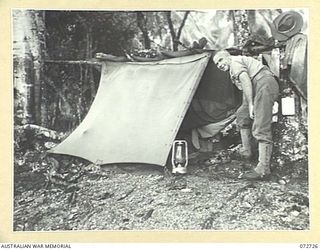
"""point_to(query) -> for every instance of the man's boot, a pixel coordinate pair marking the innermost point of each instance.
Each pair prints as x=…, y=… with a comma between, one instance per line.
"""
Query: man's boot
x=246, y=149
x=262, y=170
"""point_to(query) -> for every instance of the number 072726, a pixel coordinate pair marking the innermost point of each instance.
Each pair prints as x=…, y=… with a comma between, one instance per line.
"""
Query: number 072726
x=309, y=246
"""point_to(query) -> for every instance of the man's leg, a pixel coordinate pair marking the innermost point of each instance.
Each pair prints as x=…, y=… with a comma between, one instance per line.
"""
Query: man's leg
x=246, y=138
x=244, y=123
x=265, y=153
x=261, y=129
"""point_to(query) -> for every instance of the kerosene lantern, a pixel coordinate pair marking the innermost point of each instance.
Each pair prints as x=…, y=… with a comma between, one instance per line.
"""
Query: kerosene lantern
x=179, y=157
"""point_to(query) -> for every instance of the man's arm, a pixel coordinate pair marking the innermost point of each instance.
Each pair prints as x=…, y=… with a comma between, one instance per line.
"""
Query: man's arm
x=247, y=90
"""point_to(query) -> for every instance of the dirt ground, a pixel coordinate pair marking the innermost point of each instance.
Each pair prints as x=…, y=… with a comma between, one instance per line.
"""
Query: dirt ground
x=144, y=197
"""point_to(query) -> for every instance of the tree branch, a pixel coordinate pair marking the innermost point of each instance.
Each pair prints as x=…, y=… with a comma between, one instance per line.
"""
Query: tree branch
x=182, y=24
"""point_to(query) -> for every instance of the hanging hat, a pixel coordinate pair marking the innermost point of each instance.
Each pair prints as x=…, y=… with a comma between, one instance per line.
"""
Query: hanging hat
x=286, y=25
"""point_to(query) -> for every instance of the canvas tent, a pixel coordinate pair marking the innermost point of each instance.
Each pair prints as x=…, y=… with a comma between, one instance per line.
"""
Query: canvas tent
x=140, y=107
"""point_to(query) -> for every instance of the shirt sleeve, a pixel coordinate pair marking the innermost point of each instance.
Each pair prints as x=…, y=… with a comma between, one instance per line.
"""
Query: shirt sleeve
x=237, y=69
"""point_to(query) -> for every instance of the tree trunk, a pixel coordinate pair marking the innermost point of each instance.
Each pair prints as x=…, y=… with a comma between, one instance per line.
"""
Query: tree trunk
x=172, y=32
x=142, y=24
x=235, y=27
x=28, y=50
x=89, y=73
x=176, y=37
x=240, y=27
x=41, y=109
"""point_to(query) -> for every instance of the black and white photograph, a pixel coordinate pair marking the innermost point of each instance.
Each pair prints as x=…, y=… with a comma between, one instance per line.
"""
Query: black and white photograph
x=160, y=120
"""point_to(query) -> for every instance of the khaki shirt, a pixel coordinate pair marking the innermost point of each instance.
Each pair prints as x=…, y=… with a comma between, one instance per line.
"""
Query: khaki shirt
x=241, y=64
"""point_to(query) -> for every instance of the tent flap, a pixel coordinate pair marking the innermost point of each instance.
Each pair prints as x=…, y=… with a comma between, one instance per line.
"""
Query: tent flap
x=137, y=111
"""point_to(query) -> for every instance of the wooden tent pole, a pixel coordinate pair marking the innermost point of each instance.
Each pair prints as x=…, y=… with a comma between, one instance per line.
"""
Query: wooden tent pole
x=73, y=62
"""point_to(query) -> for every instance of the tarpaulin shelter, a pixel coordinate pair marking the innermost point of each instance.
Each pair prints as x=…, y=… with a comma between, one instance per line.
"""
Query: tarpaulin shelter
x=140, y=106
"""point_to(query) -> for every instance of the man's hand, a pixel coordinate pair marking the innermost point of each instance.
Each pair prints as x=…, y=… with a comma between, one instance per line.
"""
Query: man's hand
x=251, y=114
